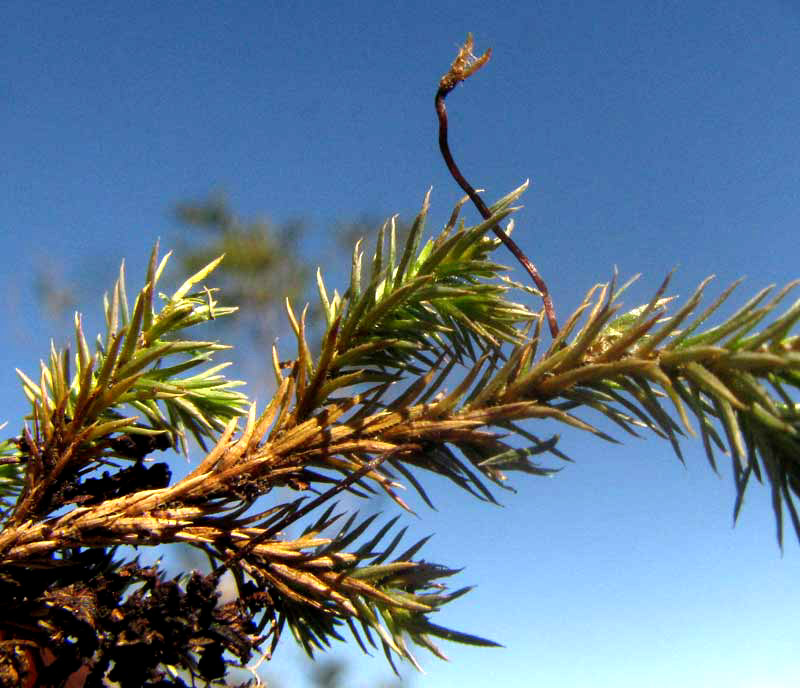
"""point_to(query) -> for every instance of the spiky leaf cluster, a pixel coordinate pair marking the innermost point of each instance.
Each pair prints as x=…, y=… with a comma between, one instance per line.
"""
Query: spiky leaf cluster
x=132, y=394
x=649, y=369
x=430, y=363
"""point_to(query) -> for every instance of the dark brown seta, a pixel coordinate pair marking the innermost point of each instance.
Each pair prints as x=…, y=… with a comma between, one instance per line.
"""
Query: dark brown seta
x=463, y=67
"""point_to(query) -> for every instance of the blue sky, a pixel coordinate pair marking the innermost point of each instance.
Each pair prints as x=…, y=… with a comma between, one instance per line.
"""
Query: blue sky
x=655, y=135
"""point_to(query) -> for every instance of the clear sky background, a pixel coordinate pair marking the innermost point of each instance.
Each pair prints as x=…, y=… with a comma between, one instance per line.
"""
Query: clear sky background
x=656, y=135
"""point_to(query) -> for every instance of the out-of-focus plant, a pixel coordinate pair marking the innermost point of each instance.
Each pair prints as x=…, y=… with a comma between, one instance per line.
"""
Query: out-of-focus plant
x=263, y=264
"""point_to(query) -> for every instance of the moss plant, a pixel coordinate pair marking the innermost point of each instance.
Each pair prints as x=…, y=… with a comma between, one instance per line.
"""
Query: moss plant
x=429, y=363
